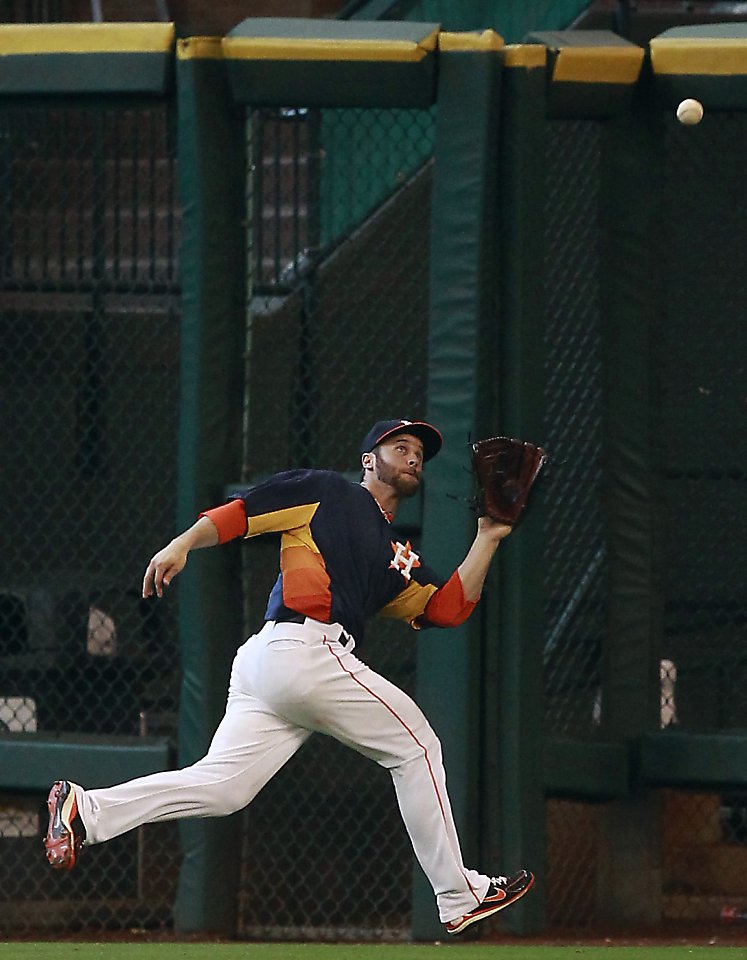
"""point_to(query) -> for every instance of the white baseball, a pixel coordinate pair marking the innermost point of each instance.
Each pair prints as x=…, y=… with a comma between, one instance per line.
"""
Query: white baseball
x=690, y=112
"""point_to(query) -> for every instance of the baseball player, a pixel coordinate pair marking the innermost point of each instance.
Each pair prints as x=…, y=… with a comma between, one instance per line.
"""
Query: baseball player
x=341, y=562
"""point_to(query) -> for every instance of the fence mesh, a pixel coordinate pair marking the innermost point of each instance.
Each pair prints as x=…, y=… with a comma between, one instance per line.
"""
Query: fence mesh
x=704, y=856
x=571, y=880
x=88, y=408
x=331, y=299
x=701, y=362
x=575, y=554
x=334, y=291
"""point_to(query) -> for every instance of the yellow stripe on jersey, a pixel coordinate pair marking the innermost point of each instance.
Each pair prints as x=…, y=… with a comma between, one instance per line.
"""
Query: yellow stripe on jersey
x=410, y=603
x=280, y=521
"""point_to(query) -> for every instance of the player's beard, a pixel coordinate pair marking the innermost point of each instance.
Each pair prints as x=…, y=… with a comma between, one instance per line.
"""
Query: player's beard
x=403, y=483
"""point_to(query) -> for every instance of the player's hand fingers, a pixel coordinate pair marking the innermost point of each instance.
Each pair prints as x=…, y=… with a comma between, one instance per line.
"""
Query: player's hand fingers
x=493, y=528
x=162, y=569
x=167, y=570
x=162, y=577
x=148, y=579
x=156, y=576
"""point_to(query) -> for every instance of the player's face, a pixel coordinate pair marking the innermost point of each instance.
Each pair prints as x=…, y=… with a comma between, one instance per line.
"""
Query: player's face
x=399, y=463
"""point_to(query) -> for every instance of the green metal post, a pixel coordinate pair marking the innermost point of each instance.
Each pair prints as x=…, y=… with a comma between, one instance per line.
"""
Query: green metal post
x=515, y=642
x=631, y=688
x=462, y=285
x=212, y=341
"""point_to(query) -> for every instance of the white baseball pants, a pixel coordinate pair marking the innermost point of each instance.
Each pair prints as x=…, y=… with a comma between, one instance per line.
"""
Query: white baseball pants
x=288, y=681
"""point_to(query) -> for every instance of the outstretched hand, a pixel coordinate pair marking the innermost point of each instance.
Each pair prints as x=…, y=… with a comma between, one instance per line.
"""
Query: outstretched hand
x=171, y=560
x=162, y=569
x=473, y=569
x=493, y=530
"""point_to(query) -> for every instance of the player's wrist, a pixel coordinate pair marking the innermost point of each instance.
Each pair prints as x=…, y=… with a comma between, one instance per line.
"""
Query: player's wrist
x=492, y=531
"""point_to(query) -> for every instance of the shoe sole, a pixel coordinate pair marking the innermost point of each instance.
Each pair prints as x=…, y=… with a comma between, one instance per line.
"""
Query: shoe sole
x=62, y=851
x=492, y=910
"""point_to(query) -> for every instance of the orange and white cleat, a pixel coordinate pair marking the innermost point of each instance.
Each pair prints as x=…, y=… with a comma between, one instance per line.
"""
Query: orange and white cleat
x=65, y=833
x=502, y=892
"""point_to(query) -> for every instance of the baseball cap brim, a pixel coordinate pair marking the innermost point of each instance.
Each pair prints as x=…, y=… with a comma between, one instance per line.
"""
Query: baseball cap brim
x=430, y=436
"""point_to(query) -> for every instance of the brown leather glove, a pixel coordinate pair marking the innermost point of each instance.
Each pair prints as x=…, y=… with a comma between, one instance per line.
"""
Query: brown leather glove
x=505, y=470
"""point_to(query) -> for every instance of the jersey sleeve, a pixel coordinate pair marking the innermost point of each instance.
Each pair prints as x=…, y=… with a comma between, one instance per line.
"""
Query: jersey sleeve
x=229, y=520
x=418, y=584
x=448, y=606
x=285, y=502
x=429, y=602
x=426, y=600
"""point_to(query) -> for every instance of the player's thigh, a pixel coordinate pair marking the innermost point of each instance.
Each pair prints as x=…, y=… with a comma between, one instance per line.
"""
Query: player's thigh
x=251, y=729
x=372, y=715
x=250, y=746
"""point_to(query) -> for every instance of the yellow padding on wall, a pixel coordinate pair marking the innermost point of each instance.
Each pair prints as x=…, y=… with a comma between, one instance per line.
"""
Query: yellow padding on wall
x=717, y=56
x=598, y=65
x=200, y=48
x=529, y=55
x=485, y=41
x=287, y=48
x=32, y=38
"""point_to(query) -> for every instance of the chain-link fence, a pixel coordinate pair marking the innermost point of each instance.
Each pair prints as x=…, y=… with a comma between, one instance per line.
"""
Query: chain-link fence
x=576, y=550
x=575, y=554
x=704, y=855
x=88, y=410
x=333, y=294
x=571, y=879
x=339, y=269
x=702, y=352
x=702, y=361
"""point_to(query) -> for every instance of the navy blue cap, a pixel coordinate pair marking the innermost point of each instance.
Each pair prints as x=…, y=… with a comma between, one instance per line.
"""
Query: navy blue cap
x=432, y=439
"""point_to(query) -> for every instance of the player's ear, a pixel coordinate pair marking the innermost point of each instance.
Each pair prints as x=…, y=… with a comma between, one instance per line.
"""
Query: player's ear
x=367, y=461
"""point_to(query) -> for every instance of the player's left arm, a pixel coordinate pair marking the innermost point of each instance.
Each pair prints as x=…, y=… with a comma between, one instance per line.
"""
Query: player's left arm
x=453, y=602
x=474, y=568
x=428, y=601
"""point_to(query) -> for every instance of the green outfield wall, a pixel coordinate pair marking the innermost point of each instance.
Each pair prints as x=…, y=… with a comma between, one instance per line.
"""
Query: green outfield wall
x=376, y=218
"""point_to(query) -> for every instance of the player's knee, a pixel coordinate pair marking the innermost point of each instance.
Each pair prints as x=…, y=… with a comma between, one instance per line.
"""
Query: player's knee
x=225, y=802
x=427, y=736
x=432, y=746
x=425, y=746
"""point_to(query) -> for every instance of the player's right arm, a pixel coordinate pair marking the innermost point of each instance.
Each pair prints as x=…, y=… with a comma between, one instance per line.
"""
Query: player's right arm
x=170, y=561
x=280, y=503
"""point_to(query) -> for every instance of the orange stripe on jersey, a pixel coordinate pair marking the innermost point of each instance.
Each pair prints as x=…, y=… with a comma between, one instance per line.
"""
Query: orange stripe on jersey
x=278, y=521
x=229, y=520
x=305, y=580
x=448, y=606
x=409, y=604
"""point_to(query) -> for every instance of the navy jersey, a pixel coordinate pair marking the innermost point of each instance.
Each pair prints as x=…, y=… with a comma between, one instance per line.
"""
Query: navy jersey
x=340, y=560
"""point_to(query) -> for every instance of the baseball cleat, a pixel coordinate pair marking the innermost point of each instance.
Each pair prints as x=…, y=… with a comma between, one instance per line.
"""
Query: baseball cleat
x=502, y=892
x=65, y=833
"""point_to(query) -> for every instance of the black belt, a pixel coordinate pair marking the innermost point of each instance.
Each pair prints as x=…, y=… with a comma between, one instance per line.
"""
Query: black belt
x=301, y=618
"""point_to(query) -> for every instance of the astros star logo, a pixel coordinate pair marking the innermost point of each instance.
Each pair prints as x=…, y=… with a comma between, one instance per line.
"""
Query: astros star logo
x=405, y=558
